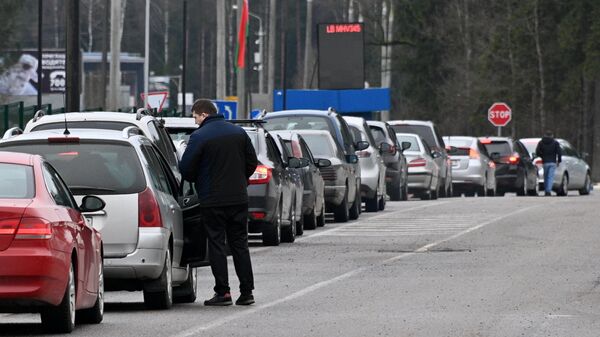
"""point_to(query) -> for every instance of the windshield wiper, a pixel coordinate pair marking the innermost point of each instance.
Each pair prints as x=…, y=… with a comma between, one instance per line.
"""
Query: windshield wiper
x=92, y=188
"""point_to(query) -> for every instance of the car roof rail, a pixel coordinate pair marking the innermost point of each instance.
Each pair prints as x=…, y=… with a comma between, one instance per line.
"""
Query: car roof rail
x=142, y=111
x=38, y=114
x=253, y=122
x=132, y=131
x=12, y=132
x=331, y=109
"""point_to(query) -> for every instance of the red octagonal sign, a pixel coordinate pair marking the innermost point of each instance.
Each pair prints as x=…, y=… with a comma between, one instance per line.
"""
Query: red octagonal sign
x=499, y=114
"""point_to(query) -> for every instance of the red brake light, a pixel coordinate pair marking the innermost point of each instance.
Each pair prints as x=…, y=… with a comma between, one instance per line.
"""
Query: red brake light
x=148, y=210
x=8, y=226
x=34, y=228
x=485, y=141
x=65, y=139
x=258, y=215
x=261, y=175
x=538, y=162
x=418, y=162
x=473, y=154
x=514, y=159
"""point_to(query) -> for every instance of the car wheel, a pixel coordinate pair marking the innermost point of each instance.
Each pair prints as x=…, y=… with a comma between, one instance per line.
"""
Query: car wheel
x=371, y=204
x=95, y=314
x=381, y=204
x=405, y=191
x=340, y=213
x=310, y=221
x=396, y=191
x=563, y=190
x=523, y=190
x=271, y=235
x=355, y=209
x=587, y=186
x=158, y=294
x=61, y=319
x=188, y=290
x=288, y=233
x=321, y=217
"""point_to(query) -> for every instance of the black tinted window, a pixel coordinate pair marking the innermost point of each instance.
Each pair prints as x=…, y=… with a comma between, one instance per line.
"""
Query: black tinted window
x=157, y=174
x=56, y=187
x=503, y=148
x=378, y=134
x=424, y=131
x=91, y=168
x=16, y=181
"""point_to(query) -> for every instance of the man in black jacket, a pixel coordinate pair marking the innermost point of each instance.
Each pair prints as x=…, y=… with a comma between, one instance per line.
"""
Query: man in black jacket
x=219, y=159
x=549, y=150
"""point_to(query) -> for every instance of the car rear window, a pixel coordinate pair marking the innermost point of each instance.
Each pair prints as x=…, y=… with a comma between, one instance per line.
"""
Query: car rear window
x=424, y=131
x=319, y=145
x=458, y=142
x=530, y=145
x=298, y=123
x=97, y=168
x=104, y=125
x=16, y=181
x=414, y=144
x=503, y=148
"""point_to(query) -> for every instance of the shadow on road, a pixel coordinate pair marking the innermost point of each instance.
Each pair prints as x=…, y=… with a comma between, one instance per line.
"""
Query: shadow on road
x=21, y=329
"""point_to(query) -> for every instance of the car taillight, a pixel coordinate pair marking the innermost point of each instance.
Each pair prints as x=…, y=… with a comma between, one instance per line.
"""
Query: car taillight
x=8, y=226
x=257, y=215
x=473, y=154
x=261, y=175
x=34, y=228
x=417, y=162
x=148, y=210
x=538, y=162
x=514, y=159
x=363, y=154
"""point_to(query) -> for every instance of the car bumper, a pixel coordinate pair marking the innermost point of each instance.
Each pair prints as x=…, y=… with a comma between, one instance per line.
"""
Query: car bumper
x=146, y=262
x=368, y=185
x=41, y=280
x=419, y=181
x=334, y=194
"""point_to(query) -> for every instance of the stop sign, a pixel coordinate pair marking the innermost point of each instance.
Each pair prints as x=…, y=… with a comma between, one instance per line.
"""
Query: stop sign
x=499, y=114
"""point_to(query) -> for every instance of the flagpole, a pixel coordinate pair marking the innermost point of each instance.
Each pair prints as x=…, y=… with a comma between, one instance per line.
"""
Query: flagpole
x=242, y=16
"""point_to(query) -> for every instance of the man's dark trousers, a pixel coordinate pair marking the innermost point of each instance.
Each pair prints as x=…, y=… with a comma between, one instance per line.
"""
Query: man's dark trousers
x=229, y=222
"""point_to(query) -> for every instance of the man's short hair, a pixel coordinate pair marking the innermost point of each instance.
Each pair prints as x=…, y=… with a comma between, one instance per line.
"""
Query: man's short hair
x=549, y=133
x=204, y=105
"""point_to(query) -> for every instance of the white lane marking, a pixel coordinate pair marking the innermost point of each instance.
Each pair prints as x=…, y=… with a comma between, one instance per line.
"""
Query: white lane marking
x=200, y=328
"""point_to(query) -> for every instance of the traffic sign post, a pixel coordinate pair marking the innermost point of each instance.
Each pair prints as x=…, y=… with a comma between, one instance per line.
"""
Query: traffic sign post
x=155, y=100
x=499, y=114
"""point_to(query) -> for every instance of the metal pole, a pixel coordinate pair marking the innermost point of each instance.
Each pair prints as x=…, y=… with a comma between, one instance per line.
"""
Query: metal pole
x=221, y=51
x=72, y=55
x=241, y=72
x=272, y=42
x=115, y=55
x=104, y=63
x=499, y=131
x=40, y=57
x=184, y=59
x=284, y=56
x=308, y=43
x=147, y=54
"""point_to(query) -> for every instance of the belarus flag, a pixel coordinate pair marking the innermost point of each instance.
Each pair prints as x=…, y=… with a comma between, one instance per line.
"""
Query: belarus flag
x=242, y=34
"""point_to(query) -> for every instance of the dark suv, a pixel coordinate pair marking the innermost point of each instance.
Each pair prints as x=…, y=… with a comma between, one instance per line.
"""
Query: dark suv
x=333, y=123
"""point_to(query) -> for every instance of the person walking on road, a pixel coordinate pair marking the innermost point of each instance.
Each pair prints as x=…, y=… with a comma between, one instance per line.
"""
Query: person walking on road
x=220, y=159
x=549, y=150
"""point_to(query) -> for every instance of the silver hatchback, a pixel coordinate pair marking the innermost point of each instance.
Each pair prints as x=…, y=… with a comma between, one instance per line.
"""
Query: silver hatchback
x=472, y=169
x=423, y=171
x=142, y=224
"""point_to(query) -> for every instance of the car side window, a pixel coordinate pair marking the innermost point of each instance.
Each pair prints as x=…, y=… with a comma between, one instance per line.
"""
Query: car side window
x=482, y=149
x=167, y=171
x=392, y=135
x=439, y=138
x=163, y=141
x=348, y=143
x=306, y=151
x=272, y=152
x=157, y=174
x=57, y=188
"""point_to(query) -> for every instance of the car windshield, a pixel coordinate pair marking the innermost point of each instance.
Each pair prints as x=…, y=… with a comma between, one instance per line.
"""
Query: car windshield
x=298, y=123
x=178, y=134
x=320, y=145
x=424, y=131
x=98, y=168
x=502, y=147
x=104, y=125
x=16, y=181
x=414, y=144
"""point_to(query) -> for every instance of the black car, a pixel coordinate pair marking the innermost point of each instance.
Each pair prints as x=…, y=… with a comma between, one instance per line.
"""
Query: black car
x=515, y=170
x=333, y=123
x=271, y=190
x=313, y=199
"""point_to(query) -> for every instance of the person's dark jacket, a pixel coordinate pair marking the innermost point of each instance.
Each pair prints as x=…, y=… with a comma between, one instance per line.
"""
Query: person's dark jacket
x=219, y=159
x=549, y=150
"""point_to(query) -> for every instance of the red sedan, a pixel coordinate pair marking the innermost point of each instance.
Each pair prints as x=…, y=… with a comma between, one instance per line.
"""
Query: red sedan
x=50, y=257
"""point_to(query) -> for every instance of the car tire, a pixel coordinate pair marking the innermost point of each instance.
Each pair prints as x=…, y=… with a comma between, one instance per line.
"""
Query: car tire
x=405, y=191
x=95, y=314
x=310, y=221
x=288, y=233
x=522, y=191
x=381, y=203
x=396, y=191
x=300, y=225
x=587, y=186
x=187, y=292
x=61, y=319
x=161, y=299
x=340, y=213
x=563, y=189
x=271, y=234
x=321, y=217
x=356, y=205
x=372, y=204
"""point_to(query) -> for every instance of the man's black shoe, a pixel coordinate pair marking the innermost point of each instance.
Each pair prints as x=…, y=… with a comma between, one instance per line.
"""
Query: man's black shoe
x=219, y=300
x=547, y=194
x=245, y=299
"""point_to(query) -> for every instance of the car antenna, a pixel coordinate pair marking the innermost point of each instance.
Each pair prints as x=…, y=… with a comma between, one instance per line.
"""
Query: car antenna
x=66, y=132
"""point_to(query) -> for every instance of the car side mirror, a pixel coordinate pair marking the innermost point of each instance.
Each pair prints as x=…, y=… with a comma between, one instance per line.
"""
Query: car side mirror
x=323, y=163
x=91, y=203
x=304, y=162
x=405, y=145
x=361, y=145
x=352, y=158
x=435, y=154
x=294, y=162
x=385, y=148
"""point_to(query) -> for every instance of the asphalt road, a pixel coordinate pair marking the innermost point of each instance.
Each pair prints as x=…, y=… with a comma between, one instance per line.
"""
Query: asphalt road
x=506, y=266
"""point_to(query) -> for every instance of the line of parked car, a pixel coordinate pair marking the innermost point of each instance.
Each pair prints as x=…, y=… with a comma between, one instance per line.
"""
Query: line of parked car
x=95, y=200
